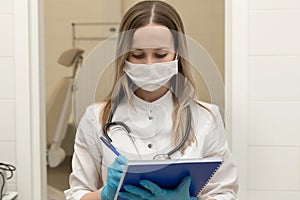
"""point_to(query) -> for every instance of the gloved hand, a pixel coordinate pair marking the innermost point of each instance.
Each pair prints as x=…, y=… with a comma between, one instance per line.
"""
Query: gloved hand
x=151, y=191
x=114, y=174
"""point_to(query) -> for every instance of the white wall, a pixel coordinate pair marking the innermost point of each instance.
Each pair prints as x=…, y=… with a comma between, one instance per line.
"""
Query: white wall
x=274, y=100
x=266, y=86
x=7, y=87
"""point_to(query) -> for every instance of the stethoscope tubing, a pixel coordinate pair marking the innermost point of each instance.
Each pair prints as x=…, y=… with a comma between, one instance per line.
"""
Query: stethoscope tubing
x=158, y=156
x=186, y=135
x=8, y=167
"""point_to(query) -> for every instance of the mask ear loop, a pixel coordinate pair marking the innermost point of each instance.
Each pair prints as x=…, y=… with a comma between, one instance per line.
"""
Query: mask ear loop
x=176, y=57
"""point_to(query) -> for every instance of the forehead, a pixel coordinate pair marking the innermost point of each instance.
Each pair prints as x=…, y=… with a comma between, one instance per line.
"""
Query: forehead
x=153, y=36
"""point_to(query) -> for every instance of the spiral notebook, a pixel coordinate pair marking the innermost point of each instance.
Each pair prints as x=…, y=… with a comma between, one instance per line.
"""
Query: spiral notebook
x=168, y=173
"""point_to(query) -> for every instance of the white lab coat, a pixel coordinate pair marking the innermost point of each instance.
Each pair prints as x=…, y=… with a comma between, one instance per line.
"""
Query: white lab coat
x=151, y=126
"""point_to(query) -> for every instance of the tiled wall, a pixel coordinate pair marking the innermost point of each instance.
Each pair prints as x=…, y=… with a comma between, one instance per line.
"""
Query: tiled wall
x=7, y=88
x=274, y=100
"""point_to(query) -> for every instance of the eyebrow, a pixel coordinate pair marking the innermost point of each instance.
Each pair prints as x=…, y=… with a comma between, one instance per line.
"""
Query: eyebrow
x=159, y=48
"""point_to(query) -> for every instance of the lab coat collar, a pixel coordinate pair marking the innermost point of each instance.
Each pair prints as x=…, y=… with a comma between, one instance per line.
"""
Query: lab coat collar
x=165, y=101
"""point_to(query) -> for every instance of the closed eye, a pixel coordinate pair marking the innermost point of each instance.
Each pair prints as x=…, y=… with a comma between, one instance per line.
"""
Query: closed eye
x=138, y=56
x=161, y=55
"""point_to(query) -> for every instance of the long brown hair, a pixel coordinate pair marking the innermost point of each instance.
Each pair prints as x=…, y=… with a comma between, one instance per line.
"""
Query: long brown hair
x=139, y=15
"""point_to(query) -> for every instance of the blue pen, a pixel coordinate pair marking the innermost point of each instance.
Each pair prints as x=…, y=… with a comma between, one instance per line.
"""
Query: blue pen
x=109, y=145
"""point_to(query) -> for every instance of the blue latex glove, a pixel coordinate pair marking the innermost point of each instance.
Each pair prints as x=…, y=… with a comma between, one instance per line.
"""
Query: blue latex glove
x=151, y=191
x=114, y=174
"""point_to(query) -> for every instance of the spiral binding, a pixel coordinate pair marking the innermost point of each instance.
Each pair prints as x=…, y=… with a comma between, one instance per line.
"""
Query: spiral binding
x=210, y=177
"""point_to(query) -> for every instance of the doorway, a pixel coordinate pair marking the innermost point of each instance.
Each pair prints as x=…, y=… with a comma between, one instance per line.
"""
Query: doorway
x=63, y=31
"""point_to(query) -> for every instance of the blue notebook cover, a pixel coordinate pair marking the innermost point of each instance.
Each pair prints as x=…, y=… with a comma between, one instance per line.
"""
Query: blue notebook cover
x=168, y=173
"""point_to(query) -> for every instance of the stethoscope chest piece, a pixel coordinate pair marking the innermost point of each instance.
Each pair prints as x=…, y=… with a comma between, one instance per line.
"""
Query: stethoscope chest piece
x=161, y=157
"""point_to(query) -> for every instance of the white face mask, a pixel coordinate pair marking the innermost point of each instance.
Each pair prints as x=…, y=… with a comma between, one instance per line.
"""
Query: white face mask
x=151, y=77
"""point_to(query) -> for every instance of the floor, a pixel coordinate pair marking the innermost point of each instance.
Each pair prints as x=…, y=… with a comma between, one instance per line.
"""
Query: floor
x=58, y=179
x=54, y=194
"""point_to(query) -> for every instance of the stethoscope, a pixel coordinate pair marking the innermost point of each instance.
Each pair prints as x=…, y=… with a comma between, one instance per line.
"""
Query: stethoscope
x=3, y=168
x=165, y=156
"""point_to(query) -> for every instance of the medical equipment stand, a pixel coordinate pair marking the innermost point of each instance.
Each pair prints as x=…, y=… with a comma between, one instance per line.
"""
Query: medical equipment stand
x=60, y=107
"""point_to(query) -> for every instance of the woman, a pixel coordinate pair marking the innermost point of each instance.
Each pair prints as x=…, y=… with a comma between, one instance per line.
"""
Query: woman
x=153, y=95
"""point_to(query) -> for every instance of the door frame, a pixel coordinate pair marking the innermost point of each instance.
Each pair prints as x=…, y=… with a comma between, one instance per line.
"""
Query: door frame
x=236, y=86
x=30, y=99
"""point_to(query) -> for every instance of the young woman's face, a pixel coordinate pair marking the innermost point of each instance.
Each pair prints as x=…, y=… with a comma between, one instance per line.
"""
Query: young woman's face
x=152, y=44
